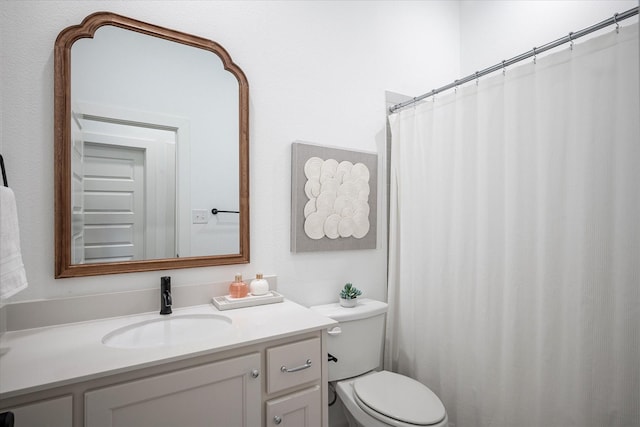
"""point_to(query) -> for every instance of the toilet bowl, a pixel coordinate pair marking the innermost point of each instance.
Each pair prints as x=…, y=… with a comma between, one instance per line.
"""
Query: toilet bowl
x=382, y=399
x=374, y=398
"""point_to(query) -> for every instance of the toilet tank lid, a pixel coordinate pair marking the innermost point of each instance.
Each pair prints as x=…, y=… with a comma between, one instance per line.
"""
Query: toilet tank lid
x=364, y=308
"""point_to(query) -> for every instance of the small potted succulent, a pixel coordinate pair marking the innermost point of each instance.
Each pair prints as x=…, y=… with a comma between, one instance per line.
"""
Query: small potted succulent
x=348, y=295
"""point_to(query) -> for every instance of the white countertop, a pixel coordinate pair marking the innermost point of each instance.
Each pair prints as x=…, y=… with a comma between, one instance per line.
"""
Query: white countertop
x=42, y=358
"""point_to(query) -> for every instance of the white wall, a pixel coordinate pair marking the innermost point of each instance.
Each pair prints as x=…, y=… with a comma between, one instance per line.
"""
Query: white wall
x=317, y=72
x=492, y=31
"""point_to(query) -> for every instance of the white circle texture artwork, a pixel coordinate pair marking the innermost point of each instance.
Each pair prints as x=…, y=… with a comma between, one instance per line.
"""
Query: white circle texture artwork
x=338, y=196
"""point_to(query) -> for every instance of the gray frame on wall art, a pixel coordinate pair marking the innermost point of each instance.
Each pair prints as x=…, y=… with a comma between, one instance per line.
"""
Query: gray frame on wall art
x=333, y=191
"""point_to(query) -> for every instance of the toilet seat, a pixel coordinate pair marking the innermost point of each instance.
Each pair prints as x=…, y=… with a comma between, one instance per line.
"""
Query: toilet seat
x=398, y=400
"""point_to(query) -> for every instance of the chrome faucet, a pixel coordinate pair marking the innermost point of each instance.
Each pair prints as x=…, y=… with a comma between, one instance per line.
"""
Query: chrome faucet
x=165, y=295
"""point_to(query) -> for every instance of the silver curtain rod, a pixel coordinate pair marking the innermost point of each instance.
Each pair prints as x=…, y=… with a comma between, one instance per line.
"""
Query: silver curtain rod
x=533, y=52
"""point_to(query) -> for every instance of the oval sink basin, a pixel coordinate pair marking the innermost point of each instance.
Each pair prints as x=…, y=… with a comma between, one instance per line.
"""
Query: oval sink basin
x=167, y=331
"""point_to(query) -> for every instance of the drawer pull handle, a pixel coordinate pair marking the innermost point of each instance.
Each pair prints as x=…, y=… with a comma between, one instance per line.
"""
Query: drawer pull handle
x=277, y=420
x=255, y=373
x=296, y=369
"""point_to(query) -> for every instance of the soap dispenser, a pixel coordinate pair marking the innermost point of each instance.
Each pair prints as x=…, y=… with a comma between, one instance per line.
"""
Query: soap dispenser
x=259, y=286
x=238, y=289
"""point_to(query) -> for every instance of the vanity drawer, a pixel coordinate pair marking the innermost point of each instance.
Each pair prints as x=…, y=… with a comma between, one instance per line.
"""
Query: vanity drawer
x=293, y=364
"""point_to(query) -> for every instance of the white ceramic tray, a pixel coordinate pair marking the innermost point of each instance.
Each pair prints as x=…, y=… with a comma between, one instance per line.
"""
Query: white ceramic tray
x=226, y=302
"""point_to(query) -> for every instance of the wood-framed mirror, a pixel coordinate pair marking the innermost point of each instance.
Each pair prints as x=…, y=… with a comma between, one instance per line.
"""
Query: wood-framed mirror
x=151, y=150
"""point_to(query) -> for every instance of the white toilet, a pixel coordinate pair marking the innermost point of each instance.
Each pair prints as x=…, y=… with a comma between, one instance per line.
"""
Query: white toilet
x=374, y=399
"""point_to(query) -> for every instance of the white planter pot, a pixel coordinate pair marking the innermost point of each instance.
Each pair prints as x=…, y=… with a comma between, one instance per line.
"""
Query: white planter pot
x=348, y=302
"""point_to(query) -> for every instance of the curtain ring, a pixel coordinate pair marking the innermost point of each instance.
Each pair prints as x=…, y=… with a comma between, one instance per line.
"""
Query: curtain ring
x=534, y=54
x=571, y=40
x=615, y=20
x=455, y=89
x=504, y=69
x=433, y=95
x=477, y=78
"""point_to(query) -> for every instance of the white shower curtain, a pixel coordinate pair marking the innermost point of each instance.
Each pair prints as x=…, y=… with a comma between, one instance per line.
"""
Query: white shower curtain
x=514, y=283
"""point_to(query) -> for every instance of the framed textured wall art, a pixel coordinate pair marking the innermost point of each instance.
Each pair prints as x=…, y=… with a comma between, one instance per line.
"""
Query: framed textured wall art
x=333, y=198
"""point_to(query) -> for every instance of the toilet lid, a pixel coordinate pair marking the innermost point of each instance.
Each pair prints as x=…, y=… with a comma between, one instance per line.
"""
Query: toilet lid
x=400, y=398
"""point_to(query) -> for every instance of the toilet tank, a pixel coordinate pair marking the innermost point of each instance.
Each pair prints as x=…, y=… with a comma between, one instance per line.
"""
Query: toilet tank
x=358, y=340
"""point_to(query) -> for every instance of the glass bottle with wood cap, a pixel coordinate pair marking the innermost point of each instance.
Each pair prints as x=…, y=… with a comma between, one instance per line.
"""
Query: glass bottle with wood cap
x=238, y=289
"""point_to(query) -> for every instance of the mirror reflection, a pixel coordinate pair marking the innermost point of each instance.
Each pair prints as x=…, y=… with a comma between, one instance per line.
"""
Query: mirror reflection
x=155, y=145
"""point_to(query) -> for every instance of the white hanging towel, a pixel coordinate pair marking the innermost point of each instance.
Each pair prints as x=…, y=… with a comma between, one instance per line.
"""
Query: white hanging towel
x=13, y=278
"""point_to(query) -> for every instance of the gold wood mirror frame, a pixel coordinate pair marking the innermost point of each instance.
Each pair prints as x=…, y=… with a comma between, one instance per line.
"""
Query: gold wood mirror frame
x=62, y=150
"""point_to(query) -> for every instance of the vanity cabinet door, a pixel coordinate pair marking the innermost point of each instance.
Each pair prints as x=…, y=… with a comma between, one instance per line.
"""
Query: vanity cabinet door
x=300, y=409
x=225, y=393
x=48, y=413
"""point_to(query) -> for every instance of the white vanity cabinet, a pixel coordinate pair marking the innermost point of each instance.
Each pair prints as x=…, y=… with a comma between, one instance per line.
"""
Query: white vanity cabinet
x=280, y=382
x=224, y=393
x=295, y=369
x=268, y=369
